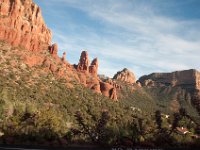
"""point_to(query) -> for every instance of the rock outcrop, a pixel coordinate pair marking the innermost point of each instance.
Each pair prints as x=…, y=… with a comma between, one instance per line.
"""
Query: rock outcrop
x=93, y=68
x=108, y=90
x=54, y=49
x=126, y=76
x=187, y=79
x=89, y=77
x=83, y=65
x=63, y=57
x=21, y=24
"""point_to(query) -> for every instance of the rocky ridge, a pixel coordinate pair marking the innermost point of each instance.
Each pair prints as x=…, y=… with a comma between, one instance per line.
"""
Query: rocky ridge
x=186, y=79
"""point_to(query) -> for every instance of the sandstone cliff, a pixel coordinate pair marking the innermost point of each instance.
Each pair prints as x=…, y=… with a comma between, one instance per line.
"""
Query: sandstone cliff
x=187, y=79
x=21, y=24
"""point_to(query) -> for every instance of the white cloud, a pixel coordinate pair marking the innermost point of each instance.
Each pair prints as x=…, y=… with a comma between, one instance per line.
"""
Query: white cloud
x=133, y=36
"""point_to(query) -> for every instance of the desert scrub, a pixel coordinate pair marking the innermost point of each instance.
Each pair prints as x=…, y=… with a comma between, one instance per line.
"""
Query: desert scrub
x=29, y=122
x=2, y=103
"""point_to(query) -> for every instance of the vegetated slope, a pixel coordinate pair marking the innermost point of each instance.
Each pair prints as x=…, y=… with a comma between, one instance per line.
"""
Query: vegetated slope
x=166, y=99
x=39, y=107
x=166, y=92
x=33, y=93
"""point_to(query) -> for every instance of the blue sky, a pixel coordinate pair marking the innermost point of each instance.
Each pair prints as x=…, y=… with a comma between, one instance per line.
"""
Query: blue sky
x=144, y=36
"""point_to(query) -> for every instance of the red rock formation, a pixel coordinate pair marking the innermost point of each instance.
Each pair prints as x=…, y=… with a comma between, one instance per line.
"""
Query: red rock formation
x=93, y=83
x=88, y=77
x=139, y=84
x=54, y=52
x=186, y=78
x=125, y=75
x=113, y=83
x=46, y=63
x=54, y=49
x=21, y=24
x=96, y=88
x=113, y=93
x=63, y=57
x=53, y=68
x=105, y=88
x=83, y=65
x=82, y=78
x=33, y=60
x=108, y=90
x=93, y=69
x=197, y=82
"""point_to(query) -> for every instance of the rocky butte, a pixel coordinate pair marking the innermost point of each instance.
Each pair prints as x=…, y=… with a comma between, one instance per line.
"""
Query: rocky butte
x=126, y=76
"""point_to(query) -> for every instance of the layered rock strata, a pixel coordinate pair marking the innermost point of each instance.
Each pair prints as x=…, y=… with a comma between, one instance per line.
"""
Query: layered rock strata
x=186, y=79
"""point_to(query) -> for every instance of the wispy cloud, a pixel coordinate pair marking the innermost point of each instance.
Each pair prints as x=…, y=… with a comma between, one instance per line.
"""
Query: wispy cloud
x=129, y=34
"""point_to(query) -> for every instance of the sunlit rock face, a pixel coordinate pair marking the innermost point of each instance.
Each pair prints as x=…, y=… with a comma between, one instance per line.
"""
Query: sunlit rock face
x=21, y=24
x=126, y=76
x=186, y=78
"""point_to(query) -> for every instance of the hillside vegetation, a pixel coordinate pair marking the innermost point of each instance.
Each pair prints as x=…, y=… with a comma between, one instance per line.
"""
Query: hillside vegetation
x=37, y=108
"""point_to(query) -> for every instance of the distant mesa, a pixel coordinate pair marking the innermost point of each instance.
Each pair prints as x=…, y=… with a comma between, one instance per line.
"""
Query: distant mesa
x=126, y=76
x=186, y=79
